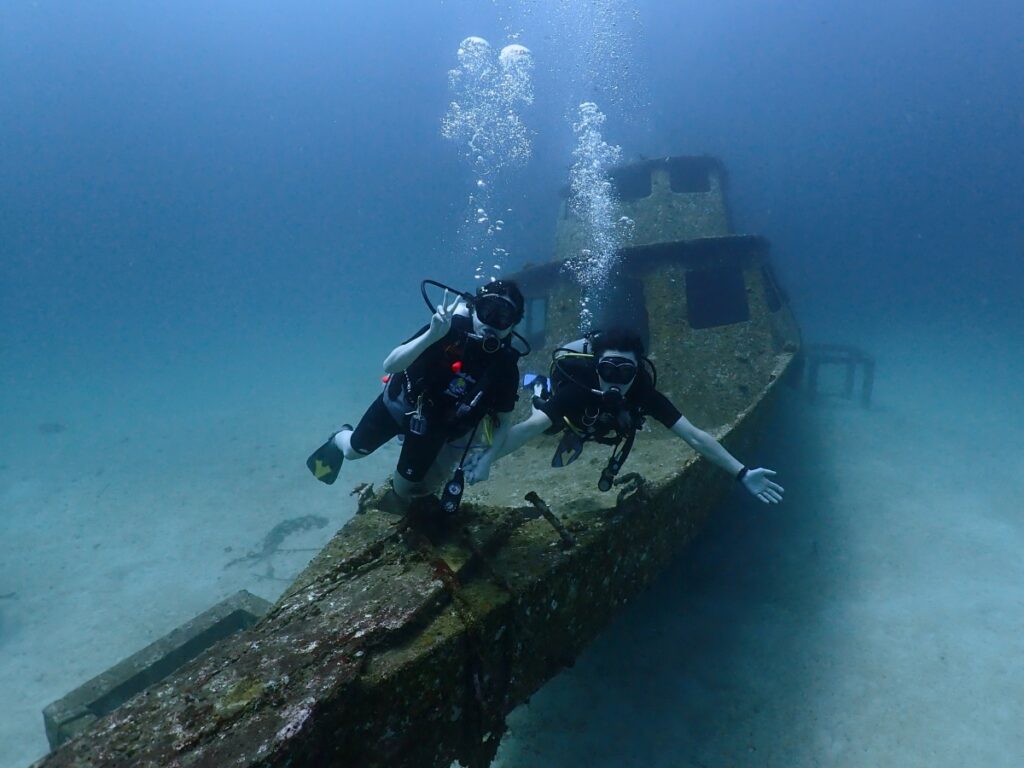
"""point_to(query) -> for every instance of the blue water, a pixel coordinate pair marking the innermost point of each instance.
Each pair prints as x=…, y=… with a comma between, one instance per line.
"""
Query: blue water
x=213, y=222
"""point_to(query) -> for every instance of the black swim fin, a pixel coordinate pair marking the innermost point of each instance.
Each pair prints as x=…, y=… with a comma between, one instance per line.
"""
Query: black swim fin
x=569, y=449
x=325, y=462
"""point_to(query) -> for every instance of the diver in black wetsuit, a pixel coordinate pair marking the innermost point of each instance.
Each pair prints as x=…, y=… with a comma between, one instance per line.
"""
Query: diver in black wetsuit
x=442, y=382
x=600, y=389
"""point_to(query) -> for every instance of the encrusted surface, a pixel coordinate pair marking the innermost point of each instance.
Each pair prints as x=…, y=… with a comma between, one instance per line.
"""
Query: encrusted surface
x=79, y=709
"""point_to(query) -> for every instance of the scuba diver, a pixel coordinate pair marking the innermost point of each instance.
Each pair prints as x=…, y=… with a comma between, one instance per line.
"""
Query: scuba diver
x=440, y=386
x=600, y=389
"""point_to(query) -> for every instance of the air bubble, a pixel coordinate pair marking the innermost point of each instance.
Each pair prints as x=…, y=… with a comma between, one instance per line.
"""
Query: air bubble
x=593, y=200
x=514, y=55
x=489, y=91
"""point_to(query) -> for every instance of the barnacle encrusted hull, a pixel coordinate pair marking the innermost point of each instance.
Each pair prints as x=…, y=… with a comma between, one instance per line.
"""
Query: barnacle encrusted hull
x=405, y=648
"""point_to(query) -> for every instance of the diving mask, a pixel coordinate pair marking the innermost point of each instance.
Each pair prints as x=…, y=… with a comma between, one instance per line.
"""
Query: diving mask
x=617, y=370
x=498, y=312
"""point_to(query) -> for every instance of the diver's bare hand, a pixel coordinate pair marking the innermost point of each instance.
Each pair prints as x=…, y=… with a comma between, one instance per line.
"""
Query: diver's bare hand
x=441, y=320
x=756, y=481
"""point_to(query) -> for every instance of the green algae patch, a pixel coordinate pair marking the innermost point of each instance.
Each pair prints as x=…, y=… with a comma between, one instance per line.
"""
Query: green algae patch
x=239, y=696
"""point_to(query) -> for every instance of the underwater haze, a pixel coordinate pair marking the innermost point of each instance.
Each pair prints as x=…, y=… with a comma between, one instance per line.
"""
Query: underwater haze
x=214, y=219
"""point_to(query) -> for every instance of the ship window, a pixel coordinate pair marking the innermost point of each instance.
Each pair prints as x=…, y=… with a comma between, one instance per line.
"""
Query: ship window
x=632, y=183
x=534, y=324
x=716, y=297
x=771, y=289
x=689, y=174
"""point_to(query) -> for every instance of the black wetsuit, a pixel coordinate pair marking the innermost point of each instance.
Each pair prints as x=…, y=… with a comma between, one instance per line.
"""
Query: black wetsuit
x=449, y=373
x=574, y=405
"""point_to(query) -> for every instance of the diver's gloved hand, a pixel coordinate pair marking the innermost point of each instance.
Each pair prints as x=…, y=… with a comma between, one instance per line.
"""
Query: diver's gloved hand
x=478, y=467
x=756, y=481
x=441, y=320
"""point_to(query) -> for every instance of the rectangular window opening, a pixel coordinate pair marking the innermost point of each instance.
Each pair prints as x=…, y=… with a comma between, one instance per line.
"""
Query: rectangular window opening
x=689, y=174
x=632, y=182
x=716, y=297
x=534, y=324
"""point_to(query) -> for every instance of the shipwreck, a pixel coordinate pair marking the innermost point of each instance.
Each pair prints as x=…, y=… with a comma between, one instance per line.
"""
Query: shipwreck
x=402, y=645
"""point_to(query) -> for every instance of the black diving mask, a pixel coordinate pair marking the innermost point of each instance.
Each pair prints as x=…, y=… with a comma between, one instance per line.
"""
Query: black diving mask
x=616, y=370
x=497, y=311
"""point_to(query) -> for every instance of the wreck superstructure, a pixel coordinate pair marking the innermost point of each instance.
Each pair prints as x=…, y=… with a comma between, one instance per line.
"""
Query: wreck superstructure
x=407, y=645
x=693, y=288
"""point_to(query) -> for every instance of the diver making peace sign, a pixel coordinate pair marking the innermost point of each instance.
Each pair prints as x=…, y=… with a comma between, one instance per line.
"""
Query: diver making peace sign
x=440, y=384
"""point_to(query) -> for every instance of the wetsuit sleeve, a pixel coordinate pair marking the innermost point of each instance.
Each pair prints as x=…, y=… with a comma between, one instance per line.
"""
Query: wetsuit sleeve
x=555, y=407
x=660, y=407
x=655, y=404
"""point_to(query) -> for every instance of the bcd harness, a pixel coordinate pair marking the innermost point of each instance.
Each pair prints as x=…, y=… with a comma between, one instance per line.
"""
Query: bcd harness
x=623, y=427
x=448, y=395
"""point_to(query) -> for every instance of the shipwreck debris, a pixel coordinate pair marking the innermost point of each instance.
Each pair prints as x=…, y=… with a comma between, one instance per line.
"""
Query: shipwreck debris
x=100, y=696
x=568, y=541
x=817, y=355
x=364, y=494
x=633, y=484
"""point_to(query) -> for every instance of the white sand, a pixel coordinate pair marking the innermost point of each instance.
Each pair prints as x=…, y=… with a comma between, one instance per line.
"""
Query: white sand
x=876, y=618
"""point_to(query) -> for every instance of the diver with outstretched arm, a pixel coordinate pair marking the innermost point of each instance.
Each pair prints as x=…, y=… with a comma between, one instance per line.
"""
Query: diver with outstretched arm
x=601, y=390
x=456, y=374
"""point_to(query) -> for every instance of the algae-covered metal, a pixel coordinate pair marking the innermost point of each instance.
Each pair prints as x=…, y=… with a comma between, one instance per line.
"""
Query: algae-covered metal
x=406, y=642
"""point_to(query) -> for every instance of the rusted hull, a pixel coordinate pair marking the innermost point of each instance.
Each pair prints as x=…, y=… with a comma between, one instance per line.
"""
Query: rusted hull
x=406, y=648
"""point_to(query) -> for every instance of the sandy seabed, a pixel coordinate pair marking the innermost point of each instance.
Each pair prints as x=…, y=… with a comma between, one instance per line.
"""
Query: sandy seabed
x=875, y=618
